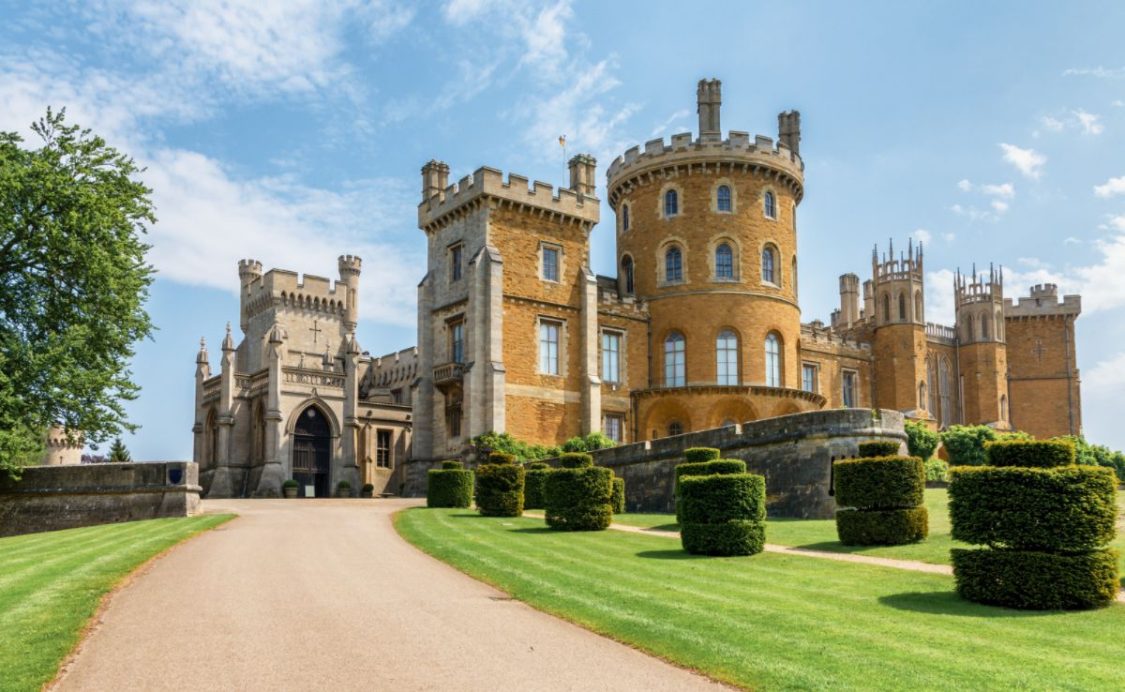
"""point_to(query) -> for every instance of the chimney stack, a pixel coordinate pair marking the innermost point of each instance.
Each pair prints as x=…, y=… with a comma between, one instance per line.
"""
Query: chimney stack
x=709, y=99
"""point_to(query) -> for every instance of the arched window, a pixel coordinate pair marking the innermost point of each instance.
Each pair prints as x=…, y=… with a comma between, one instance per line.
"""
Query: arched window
x=769, y=205
x=918, y=313
x=999, y=325
x=675, y=428
x=931, y=376
x=922, y=395
x=769, y=265
x=773, y=360
x=724, y=262
x=726, y=358
x=902, y=306
x=984, y=326
x=886, y=307
x=624, y=217
x=968, y=322
x=671, y=203
x=722, y=198
x=674, y=360
x=943, y=392
x=673, y=265
x=627, y=272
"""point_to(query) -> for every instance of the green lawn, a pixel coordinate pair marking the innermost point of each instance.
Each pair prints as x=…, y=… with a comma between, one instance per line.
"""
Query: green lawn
x=51, y=583
x=820, y=534
x=776, y=621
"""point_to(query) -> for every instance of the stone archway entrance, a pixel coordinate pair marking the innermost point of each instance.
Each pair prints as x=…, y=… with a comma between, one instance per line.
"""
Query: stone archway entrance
x=312, y=452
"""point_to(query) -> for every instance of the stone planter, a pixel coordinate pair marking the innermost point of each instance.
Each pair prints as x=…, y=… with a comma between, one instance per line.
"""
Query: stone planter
x=289, y=492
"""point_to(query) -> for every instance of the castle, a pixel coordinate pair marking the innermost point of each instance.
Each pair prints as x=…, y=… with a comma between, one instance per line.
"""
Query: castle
x=701, y=328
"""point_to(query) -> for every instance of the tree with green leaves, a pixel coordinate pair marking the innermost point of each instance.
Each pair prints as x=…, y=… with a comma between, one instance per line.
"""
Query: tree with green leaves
x=73, y=283
x=118, y=452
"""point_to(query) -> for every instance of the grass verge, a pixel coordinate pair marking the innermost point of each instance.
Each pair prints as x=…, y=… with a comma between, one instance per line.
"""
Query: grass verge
x=52, y=583
x=775, y=621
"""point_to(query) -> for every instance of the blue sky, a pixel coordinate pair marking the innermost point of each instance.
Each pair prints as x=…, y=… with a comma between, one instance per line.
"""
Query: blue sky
x=293, y=133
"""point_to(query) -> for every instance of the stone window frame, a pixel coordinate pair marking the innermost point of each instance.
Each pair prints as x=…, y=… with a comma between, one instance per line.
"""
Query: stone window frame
x=620, y=416
x=737, y=356
x=621, y=335
x=780, y=356
x=736, y=258
x=845, y=373
x=545, y=245
x=770, y=244
x=675, y=428
x=661, y=252
x=450, y=324
x=660, y=213
x=625, y=218
x=715, y=196
x=816, y=375
x=664, y=379
x=560, y=345
x=629, y=276
x=768, y=191
x=456, y=253
x=390, y=448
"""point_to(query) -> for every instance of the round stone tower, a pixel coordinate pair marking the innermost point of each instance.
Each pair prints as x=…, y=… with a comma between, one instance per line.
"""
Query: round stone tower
x=707, y=237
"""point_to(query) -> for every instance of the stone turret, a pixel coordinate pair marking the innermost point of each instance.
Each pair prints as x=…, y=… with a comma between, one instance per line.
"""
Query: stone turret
x=435, y=178
x=249, y=271
x=709, y=100
x=900, y=333
x=582, y=174
x=982, y=352
x=848, y=314
x=789, y=130
x=349, y=276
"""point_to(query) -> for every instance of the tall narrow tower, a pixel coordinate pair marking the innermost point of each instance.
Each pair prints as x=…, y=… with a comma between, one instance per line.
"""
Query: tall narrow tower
x=982, y=351
x=900, y=332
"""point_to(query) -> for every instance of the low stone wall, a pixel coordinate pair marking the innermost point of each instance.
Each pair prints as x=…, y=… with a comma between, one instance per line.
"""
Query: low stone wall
x=794, y=453
x=48, y=498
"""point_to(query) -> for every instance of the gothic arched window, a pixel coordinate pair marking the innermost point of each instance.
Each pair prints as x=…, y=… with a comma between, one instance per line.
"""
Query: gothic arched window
x=671, y=203
x=902, y=306
x=722, y=198
x=769, y=205
x=624, y=217
x=724, y=262
x=769, y=265
x=673, y=265
x=627, y=272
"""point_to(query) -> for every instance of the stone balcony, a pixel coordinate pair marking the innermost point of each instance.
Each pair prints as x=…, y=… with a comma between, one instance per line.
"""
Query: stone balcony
x=448, y=375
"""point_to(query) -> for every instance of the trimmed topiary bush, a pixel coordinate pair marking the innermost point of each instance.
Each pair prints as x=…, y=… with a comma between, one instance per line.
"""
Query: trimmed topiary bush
x=449, y=486
x=703, y=468
x=880, y=501
x=534, y=485
x=499, y=490
x=575, y=460
x=1031, y=453
x=696, y=454
x=882, y=526
x=878, y=448
x=921, y=442
x=501, y=458
x=1036, y=580
x=579, y=499
x=617, y=498
x=965, y=444
x=452, y=464
x=937, y=470
x=723, y=514
x=1046, y=522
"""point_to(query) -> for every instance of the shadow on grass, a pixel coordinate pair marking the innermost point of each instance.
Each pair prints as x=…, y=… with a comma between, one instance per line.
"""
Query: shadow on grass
x=537, y=530
x=949, y=603
x=670, y=555
x=664, y=527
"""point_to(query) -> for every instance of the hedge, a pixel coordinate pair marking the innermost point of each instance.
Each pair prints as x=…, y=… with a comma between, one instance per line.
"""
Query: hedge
x=1065, y=509
x=535, y=479
x=579, y=499
x=718, y=499
x=696, y=454
x=703, y=468
x=452, y=464
x=965, y=444
x=882, y=527
x=878, y=448
x=731, y=538
x=617, y=498
x=889, y=482
x=921, y=442
x=449, y=487
x=1037, y=580
x=500, y=490
x=723, y=514
x=1032, y=453
x=501, y=458
x=575, y=460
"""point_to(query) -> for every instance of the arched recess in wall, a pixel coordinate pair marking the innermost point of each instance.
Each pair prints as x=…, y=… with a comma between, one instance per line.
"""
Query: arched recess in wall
x=786, y=408
x=664, y=413
x=902, y=307
x=735, y=409
x=258, y=433
x=919, y=308
x=886, y=307
x=323, y=408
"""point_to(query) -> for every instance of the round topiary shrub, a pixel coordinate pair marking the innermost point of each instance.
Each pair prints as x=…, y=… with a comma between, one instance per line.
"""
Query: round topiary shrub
x=696, y=454
x=723, y=514
x=452, y=464
x=880, y=500
x=575, y=460
x=714, y=467
x=499, y=489
x=579, y=499
x=449, y=486
x=921, y=442
x=878, y=448
x=501, y=458
x=534, y=485
x=1046, y=523
x=617, y=499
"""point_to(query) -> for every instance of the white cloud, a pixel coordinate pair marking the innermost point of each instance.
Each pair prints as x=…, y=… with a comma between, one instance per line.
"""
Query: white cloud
x=949, y=237
x=1052, y=124
x=1118, y=103
x=671, y=120
x=1111, y=187
x=999, y=206
x=1002, y=190
x=1117, y=223
x=460, y=12
x=1099, y=72
x=1090, y=122
x=1027, y=161
x=964, y=185
x=940, y=304
x=1107, y=376
x=1071, y=240
x=922, y=235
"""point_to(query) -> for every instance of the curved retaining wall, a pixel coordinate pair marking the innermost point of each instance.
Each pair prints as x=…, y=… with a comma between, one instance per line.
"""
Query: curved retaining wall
x=794, y=453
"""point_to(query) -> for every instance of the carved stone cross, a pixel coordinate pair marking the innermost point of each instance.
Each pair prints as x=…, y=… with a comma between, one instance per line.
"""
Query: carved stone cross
x=1039, y=350
x=315, y=330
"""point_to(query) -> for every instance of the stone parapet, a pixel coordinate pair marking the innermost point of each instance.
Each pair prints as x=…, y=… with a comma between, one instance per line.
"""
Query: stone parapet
x=1043, y=302
x=49, y=498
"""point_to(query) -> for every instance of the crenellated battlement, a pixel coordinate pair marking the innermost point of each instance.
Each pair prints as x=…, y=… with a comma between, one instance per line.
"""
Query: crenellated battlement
x=290, y=289
x=816, y=332
x=739, y=150
x=1044, y=302
x=978, y=289
x=489, y=183
x=907, y=267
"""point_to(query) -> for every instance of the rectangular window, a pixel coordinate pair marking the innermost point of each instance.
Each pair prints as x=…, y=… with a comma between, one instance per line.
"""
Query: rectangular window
x=611, y=357
x=849, y=389
x=383, y=449
x=808, y=377
x=457, y=342
x=550, y=262
x=549, y=347
x=453, y=421
x=613, y=425
x=455, y=263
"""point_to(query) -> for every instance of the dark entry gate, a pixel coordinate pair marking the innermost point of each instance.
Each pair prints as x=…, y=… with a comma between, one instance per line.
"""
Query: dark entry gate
x=312, y=451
